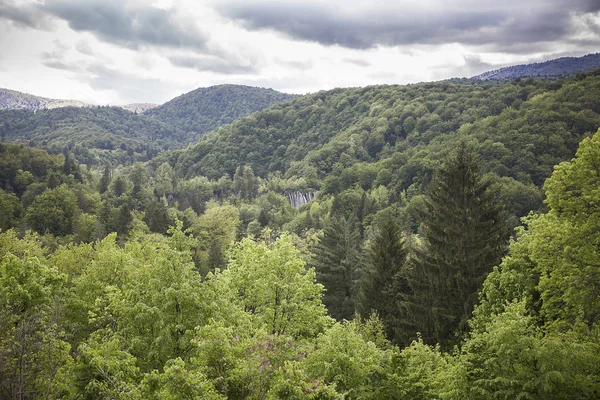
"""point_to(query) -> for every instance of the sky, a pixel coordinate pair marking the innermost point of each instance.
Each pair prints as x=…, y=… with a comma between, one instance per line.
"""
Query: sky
x=128, y=51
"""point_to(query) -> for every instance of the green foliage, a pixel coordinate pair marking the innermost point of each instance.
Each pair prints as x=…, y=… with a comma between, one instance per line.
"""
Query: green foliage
x=343, y=359
x=188, y=312
x=216, y=230
x=177, y=382
x=10, y=210
x=53, y=211
x=245, y=184
x=565, y=241
x=157, y=217
x=148, y=293
x=205, y=109
x=421, y=372
x=103, y=370
x=272, y=283
x=21, y=166
x=107, y=131
x=535, y=333
x=331, y=131
x=464, y=237
x=512, y=358
x=382, y=282
x=337, y=261
x=32, y=346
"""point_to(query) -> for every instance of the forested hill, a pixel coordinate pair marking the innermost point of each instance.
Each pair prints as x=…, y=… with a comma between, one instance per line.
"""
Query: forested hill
x=564, y=66
x=406, y=127
x=205, y=109
x=395, y=135
x=112, y=134
x=12, y=100
x=95, y=134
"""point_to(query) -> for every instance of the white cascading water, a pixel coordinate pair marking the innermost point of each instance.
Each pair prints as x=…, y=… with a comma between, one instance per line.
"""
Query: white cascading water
x=297, y=199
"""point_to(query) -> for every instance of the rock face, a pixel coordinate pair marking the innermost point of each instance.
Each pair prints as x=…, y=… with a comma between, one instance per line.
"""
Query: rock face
x=297, y=199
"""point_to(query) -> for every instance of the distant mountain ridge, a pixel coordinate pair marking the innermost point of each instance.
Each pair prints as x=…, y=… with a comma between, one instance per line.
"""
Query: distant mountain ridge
x=134, y=132
x=205, y=109
x=564, y=66
x=14, y=100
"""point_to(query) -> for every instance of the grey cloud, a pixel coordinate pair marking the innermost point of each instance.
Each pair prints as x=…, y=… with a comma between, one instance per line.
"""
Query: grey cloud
x=126, y=23
x=358, y=61
x=131, y=88
x=383, y=77
x=57, y=59
x=592, y=23
x=474, y=23
x=55, y=64
x=300, y=65
x=25, y=15
x=84, y=48
x=473, y=66
x=213, y=64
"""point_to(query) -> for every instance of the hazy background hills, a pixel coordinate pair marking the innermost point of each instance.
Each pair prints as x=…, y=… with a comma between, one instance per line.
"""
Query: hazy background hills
x=564, y=66
x=276, y=139
x=198, y=110
x=116, y=135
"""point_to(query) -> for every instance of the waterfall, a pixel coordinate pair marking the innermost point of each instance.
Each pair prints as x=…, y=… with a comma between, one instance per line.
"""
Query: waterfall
x=297, y=199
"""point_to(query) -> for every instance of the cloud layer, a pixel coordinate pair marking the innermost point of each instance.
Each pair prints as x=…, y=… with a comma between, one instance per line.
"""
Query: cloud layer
x=121, y=51
x=361, y=25
x=127, y=23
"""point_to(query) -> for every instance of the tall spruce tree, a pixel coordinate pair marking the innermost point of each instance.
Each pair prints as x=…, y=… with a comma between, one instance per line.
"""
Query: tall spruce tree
x=105, y=180
x=464, y=237
x=337, y=261
x=381, y=283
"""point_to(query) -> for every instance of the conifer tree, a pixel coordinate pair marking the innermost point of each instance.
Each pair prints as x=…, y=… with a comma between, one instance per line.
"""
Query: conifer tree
x=245, y=184
x=381, y=283
x=124, y=219
x=105, y=180
x=157, y=217
x=337, y=261
x=464, y=237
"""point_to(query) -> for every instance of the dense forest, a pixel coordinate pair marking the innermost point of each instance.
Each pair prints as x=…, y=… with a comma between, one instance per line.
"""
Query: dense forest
x=428, y=241
x=204, y=109
x=121, y=135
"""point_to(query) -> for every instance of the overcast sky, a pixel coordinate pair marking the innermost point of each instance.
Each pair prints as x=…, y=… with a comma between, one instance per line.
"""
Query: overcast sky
x=124, y=51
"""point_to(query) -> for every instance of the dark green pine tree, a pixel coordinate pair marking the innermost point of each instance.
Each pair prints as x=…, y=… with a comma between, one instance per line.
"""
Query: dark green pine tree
x=157, y=217
x=124, y=219
x=382, y=283
x=464, y=237
x=337, y=262
x=245, y=183
x=105, y=180
x=67, y=164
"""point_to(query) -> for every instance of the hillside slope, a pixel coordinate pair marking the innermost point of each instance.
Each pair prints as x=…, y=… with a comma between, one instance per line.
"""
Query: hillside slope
x=123, y=134
x=205, y=109
x=565, y=66
x=111, y=133
x=14, y=100
x=395, y=136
